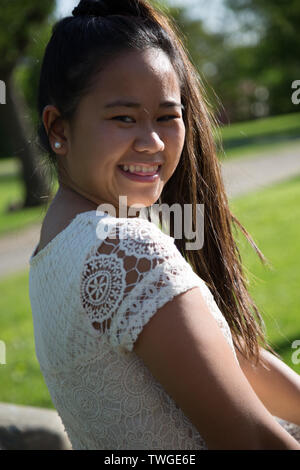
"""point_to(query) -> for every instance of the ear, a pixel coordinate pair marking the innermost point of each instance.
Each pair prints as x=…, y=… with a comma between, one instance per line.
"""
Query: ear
x=55, y=128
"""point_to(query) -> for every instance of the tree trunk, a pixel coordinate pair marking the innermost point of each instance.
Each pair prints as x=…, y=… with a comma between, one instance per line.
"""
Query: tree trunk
x=16, y=125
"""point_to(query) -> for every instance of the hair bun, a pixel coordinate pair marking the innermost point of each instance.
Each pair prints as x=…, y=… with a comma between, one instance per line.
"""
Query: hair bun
x=89, y=7
x=108, y=7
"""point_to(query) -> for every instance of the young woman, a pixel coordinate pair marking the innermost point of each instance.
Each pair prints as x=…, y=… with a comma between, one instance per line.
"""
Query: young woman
x=143, y=343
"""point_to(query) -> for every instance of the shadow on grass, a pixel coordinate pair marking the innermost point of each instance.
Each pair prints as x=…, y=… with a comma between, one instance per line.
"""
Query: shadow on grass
x=9, y=177
x=268, y=138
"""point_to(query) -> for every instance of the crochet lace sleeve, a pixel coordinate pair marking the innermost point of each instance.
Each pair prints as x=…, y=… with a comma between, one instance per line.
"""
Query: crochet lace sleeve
x=128, y=276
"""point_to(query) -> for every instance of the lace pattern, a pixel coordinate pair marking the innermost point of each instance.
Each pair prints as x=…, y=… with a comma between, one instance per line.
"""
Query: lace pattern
x=119, y=272
x=134, y=272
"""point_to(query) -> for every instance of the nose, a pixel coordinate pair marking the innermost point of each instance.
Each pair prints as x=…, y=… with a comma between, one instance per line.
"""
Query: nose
x=148, y=141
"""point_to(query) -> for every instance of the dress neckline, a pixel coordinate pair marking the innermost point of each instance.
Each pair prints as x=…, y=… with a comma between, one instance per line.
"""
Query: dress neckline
x=35, y=257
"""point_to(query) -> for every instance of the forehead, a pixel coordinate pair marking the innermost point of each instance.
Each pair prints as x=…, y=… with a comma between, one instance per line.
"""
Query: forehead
x=146, y=75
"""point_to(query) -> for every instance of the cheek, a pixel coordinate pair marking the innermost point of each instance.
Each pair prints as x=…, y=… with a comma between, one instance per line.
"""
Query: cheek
x=178, y=131
x=176, y=144
x=111, y=141
x=101, y=145
x=175, y=139
x=182, y=132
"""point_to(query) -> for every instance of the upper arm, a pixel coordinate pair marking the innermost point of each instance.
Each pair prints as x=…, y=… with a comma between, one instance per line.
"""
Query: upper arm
x=187, y=353
x=139, y=293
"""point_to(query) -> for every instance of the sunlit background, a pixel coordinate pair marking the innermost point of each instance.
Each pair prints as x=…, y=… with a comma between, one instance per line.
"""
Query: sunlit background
x=247, y=54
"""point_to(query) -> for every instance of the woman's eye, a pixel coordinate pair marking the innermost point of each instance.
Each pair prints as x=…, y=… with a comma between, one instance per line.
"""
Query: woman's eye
x=128, y=117
x=171, y=117
x=122, y=117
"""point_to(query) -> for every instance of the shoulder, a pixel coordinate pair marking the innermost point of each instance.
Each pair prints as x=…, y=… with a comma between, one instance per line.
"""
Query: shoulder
x=135, y=227
x=131, y=271
x=132, y=236
x=137, y=249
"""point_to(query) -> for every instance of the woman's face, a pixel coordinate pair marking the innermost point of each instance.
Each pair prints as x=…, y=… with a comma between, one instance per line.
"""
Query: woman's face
x=105, y=135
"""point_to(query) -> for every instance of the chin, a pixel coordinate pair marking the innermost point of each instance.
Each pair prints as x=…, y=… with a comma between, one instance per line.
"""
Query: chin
x=139, y=203
x=136, y=207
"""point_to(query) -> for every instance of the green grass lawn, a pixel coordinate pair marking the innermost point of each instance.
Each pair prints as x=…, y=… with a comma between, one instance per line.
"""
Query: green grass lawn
x=261, y=149
x=263, y=129
x=260, y=135
x=21, y=379
x=272, y=216
x=11, y=190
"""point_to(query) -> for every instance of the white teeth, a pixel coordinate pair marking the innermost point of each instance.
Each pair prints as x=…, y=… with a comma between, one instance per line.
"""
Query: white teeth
x=139, y=168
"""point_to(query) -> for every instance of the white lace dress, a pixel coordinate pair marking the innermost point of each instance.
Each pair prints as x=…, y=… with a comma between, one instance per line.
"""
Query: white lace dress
x=89, y=303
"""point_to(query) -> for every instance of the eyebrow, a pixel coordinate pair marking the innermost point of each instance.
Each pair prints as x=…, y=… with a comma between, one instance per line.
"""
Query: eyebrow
x=131, y=104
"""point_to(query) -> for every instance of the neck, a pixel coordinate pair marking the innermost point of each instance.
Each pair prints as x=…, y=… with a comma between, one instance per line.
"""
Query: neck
x=76, y=196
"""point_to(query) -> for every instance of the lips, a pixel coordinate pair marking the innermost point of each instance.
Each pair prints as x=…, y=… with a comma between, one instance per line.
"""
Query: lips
x=140, y=173
x=140, y=176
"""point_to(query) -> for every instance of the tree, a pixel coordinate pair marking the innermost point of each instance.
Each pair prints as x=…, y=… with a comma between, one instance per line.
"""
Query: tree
x=206, y=51
x=226, y=70
x=276, y=56
x=20, y=21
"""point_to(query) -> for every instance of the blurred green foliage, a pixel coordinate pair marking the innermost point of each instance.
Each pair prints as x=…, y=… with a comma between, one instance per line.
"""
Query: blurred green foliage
x=242, y=81
x=273, y=62
x=23, y=25
x=27, y=73
x=19, y=20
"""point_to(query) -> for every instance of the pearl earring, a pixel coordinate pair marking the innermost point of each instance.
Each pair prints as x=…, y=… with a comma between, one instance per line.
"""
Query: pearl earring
x=57, y=145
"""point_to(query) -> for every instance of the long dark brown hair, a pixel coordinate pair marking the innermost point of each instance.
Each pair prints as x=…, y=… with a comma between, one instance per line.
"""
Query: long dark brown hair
x=82, y=45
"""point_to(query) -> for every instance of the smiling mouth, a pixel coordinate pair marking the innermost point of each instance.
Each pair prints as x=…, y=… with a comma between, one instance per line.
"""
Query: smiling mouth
x=145, y=172
x=139, y=176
